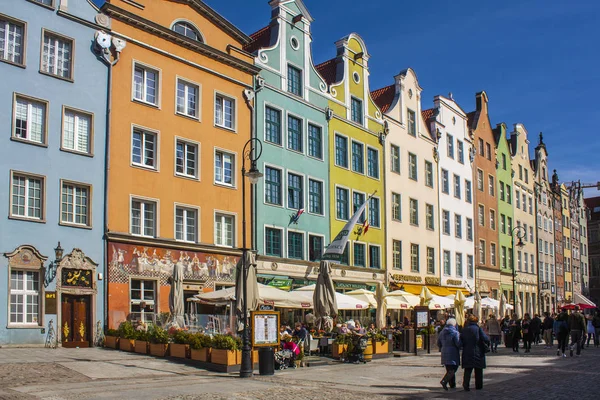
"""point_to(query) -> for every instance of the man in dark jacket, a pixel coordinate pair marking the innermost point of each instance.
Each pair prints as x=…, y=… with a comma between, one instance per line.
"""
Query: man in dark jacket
x=547, y=327
x=578, y=328
x=473, y=340
x=561, y=330
x=536, y=326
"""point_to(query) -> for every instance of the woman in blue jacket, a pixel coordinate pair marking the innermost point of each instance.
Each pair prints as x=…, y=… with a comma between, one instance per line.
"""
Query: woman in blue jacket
x=474, y=341
x=449, y=343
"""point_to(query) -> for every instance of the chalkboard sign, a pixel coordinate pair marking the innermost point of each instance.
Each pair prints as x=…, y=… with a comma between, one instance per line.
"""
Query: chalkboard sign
x=50, y=303
x=266, y=307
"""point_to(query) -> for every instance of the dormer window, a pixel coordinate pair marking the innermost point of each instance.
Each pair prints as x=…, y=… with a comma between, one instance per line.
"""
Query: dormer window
x=186, y=29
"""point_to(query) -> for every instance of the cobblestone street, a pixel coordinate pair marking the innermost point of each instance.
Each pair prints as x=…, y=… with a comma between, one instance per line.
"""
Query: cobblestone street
x=103, y=374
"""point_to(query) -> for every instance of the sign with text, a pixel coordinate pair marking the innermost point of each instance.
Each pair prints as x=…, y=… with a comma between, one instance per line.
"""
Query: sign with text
x=265, y=328
x=422, y=316
x=50, y=303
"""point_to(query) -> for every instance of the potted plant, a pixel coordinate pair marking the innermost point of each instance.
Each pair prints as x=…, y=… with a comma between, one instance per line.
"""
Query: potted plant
x=380, y=343
x=159, y=341
x=200, y=347
x=340, y=344
x=111, y=339
x=225, y=350
x=141, y=340
x=127, y=335
x=180, y=347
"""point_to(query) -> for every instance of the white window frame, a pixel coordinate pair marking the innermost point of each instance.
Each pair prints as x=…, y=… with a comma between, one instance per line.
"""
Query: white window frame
x=76, y=185
x=220, y=95
x=223, y=215
x=29, y=100
x=56, y=37
x=27, y=177
x=77, y=114
x=233, y=183
x=4, y=53
x=154, y=303
x=143, y=201
x=186, y=208
x=368, y=256
x=144, y=90
x=145, y=131
x=187, y=142
x=188, y=83
x=25, y=293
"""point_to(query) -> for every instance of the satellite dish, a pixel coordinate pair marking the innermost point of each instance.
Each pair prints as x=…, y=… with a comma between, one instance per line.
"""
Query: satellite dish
x=102, y=39
x=119, y=44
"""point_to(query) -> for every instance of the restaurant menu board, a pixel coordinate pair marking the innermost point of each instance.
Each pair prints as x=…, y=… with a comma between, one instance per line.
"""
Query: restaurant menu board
x=265, y=328
x=422, y=314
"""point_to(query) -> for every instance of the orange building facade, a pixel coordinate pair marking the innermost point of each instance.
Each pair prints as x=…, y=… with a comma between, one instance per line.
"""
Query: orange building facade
x=178, y=124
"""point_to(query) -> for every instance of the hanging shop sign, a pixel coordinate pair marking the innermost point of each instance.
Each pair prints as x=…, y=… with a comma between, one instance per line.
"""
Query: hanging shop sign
x=76, y=277
x=50, y=303
x=406, y=278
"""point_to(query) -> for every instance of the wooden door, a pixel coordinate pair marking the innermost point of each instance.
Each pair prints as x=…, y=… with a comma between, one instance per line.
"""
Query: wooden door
x=75, y=321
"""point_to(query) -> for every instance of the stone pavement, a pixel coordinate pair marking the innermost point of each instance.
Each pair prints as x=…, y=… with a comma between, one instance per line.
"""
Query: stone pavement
x=29, y=373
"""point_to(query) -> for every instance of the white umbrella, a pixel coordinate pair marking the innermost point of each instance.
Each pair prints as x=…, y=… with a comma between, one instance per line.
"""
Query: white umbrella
x=502, y=307
x=477, y=305
x=425, y=296
x=440, y=302
x=381, y=305
x=519, y=308
x=406, y=300
x=176, y=295
x=394, y=301
x=459, y=306
x=251, y=284
x=344, y=302
x=266, y=295
x=324, y=301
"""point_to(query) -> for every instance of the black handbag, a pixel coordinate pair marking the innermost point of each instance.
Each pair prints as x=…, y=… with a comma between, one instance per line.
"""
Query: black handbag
x=485, y=347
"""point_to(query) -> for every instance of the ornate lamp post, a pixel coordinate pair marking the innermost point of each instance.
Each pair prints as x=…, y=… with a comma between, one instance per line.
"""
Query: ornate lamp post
x=51, y=272
x=520, y=233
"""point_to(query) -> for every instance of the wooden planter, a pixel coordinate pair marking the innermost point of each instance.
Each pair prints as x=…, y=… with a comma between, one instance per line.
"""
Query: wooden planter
x=338, y=349
x=179, y=350
x=225, y=357
x=112, y=342
x=203, y=355
x=159, y=349
x=141, y=347
x=126, y=344
x=380, y=348
x=254, y=357
x=368, y=354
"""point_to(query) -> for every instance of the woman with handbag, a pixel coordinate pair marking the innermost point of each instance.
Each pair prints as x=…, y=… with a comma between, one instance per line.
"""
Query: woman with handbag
x=528, y=334
x=475, y=344
x=449, y=344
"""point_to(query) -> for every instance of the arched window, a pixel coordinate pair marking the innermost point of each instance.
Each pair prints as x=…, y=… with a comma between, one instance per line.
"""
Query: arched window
x=188, y=30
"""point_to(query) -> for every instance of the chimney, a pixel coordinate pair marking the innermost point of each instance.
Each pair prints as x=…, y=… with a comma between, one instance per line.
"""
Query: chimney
x=481, y=101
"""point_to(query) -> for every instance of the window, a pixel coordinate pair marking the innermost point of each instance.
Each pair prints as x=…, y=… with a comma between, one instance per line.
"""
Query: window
x=145, y=84
x=374, y=257
x=295, y=191
x=491, y=183
x=504, y=162
x=493, y=254
x=450, y=145
x=75, y=204
x=539, y=222
x=524, y=202
x=469, y=229
x=552, y=249
x=493, y=219
x=459, y=265
x=374, y=212
x=502, y=191
x=187, y=30
x=224, y=230
x=481, y=148
x=341, y=151
x=341, y=198
x=518, y=198
x=186, y=159
x=57, y=56
x=510, y=224
x=458, y=225
x=397, y=254
x=519, y=260
x=461, y=151
x=447, y=266
x=531, y=234
x=480, y=180
x=457, y=186
x=294, y=80
x=357, y=200
x=357, y=110
x=186, y=224
x=12, y=40
x=143, y=292
x=445, y=183
x=315, y=141
x=428, y=174
x=468, y=197
x=358, y=157
x=295, y=245
x=187, y=98
x=359, y=255
x=345, y=258
x=488, y=151
x=503, y=257
x=470, y=270
x=508, y=194
x=315, y=196
x=412, y=122
x=430, y=260
x=224, y=168
x=295, y=139
x=502, y=223
x=24, y=297
x=481, y=214
x=273, y=242
x=530, y=205
x=396, y=207
x=315, y=247
x=224, y=112
x=482, y=252
x=526, y=175
x=414, y=257
x=414, y=212
x=412, y=166
x=27, y=196
x=395, y=158
x=77, y=133
x=144, y=149
x=143, y=218
x=446, y=222
x=373, y=163
x=30, y=120
x=526, y=262
x=272, y=186
x=272, y=125
x=429, y=221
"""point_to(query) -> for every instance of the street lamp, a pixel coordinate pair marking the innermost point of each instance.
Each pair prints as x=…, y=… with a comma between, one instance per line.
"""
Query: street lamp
x=252, y=152
x=521, y=233
x=51, y=273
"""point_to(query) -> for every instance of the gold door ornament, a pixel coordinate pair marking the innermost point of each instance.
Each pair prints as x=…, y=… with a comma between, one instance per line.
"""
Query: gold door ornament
x=82, y=331
x=66, y=332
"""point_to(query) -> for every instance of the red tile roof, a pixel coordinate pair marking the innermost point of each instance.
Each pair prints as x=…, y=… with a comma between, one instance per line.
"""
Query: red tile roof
x=260, y=38
x=384, y=97
x=426, y=114
x=328, y=70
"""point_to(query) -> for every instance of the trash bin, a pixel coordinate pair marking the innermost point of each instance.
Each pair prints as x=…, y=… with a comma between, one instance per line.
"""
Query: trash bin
x=266, y=361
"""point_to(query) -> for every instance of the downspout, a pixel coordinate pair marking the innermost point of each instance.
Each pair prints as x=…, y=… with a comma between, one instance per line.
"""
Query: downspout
x=537, y=247
x=382, y=137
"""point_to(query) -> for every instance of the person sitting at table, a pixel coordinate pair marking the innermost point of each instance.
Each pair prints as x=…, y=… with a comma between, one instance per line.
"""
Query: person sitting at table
x=372, y=328
x=344, y=328
x=359, y=329
x=284, y=330
x=299, y=332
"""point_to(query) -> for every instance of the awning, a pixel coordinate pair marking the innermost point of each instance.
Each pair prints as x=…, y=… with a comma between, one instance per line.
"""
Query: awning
x=581, y=299
x=437, y=290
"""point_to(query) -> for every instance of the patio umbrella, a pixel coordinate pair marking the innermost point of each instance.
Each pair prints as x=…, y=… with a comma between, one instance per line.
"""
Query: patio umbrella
x=381, y=294
x=251, y=284
x=344, y=302
x=459, y=307
x=364, y=295
x=425, y=296
x=176, y=295
x=519, y=308
x=477, y=305
x=502, y=307
x=406, y=300
x=324, y=300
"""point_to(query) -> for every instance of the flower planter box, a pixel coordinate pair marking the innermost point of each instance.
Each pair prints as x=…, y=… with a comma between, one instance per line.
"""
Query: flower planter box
x=141, y=347
x=225, y=357
x=338, y=349
x=126, y=344
x=380, y=348
x=254, y=357
x=112, y=342
x=179, y=350
x=203, y=355
x=158, y=349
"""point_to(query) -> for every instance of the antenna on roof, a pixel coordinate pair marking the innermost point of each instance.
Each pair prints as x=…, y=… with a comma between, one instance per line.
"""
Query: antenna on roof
x=450, y=96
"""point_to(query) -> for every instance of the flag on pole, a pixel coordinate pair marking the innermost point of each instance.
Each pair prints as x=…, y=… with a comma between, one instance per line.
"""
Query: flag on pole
x=365, y=226
x=295, y=217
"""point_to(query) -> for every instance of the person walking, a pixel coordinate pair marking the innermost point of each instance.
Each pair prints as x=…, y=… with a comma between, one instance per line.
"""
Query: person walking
x=515, y=332
x=474, y=344
x=528, y=333
x=561, y=330
x=506, y=329
x=596, y=323
x=577, y=327
x=494, y=331
x=536, y=326
x=449, y=344
x=547, y=327
x=591, y=331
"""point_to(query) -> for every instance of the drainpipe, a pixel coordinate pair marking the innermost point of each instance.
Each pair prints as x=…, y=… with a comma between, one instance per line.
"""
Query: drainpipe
x=382, y=137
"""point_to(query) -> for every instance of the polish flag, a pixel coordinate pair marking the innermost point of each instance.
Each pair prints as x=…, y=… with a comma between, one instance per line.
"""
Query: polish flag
x=365, y=226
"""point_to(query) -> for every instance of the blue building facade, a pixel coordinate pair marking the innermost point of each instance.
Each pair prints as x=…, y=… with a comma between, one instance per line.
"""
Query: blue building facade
x=53, y=105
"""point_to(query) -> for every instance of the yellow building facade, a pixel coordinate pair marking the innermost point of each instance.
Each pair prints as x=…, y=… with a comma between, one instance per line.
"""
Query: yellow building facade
x=566, y=227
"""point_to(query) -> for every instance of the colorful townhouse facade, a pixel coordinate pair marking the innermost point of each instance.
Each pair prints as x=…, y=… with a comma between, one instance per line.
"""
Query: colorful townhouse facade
x=180, y=117
x=292, y=214
x=485, y=204
x=53, y=110
x=558, y=240
x=411, y=187
x=567, y=254
x=584, y=245
x=593, y=235
x=523, y=183
x=505, y=210
x=356, y=153
x=454, y=161
x=575, y=241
